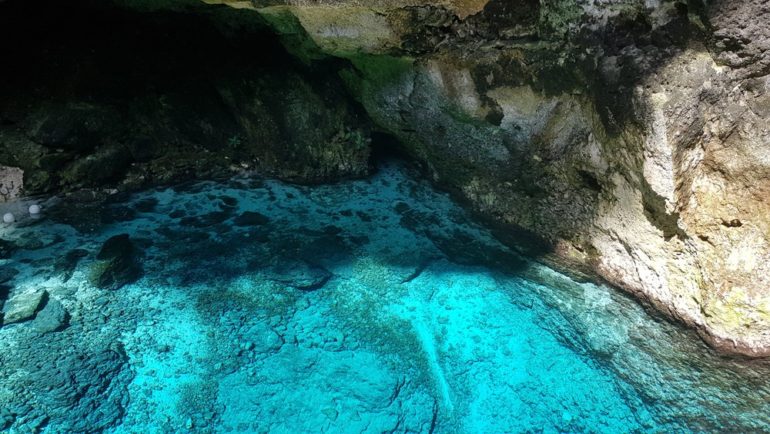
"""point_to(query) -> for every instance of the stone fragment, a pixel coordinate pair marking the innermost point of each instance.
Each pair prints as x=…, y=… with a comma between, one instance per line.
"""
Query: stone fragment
x=23, y=306
x=51, y=318
x=117, y=264
x=11, y=182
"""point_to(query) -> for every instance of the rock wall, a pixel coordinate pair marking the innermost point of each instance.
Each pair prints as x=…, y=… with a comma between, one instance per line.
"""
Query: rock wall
x=11, y=182
x=630, y=135
x=626, y=138
x=127, y=98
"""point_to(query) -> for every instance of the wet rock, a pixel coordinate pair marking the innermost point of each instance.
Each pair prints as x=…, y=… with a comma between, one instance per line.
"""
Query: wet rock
x=117, y=264
x=78, y=127
x=23, y=307
x=51, y=318
x=107, y=164
x=81, y=389
x=251, y=218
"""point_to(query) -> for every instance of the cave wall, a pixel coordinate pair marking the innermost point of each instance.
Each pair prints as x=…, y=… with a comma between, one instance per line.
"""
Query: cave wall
x=627, y=137
x=117, y=97
x=627, y=134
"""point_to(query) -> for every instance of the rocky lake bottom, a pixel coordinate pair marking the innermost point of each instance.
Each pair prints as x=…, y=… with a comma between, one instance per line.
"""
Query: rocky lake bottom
x=376, y=305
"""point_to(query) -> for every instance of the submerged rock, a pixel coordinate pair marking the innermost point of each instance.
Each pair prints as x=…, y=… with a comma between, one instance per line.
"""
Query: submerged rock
x=37, y=240
x=5, y=290
x=79, y=388
x=251, y=218
x=116, y=264
x=51, y=318
x=22, y=307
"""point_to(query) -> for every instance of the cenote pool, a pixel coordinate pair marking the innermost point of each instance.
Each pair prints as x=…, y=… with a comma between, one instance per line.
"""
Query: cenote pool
x=362, y=307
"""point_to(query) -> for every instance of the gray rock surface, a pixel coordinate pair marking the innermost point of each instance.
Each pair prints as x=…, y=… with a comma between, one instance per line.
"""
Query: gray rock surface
x=23, y=306
x=117, y=263
x=51, y=318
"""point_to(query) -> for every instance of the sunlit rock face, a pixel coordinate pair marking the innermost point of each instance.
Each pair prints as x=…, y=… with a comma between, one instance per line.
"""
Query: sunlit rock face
x=626, y=138
x=630, y=135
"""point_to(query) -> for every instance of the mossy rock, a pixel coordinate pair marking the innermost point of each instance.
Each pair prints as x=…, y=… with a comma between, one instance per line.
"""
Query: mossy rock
x=117, y=264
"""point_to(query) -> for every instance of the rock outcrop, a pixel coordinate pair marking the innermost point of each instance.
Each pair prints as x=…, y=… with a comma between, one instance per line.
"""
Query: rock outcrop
x=24, y=306
x=625, y=138
x=161, y=98
x=117, y=263
x=630, y=135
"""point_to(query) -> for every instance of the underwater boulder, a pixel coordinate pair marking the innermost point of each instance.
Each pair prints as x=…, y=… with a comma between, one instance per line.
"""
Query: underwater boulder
x=22, y=307
x=117, y=263
x=51, y=318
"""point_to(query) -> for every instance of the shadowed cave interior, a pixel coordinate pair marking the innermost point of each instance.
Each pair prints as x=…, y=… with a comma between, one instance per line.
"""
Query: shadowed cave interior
x=230, y=244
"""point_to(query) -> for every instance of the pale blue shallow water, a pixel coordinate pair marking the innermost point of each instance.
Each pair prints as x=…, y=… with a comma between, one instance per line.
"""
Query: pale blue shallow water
x=366, y=306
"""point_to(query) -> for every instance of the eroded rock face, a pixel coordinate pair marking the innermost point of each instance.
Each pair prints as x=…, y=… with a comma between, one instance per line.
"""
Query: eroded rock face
x=630, y=135
x=11, y=182
x=628, y=138
x=135, y=108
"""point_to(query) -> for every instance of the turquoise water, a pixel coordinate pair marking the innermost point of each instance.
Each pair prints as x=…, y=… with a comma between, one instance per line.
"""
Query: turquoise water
x=366, y=306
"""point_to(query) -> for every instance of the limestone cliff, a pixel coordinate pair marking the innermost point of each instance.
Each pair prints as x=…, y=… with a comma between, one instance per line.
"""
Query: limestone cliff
x=632, y=135
x=628, y=135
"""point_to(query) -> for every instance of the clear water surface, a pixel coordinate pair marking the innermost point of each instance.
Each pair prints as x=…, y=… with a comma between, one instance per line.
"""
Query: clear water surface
x=362, y=307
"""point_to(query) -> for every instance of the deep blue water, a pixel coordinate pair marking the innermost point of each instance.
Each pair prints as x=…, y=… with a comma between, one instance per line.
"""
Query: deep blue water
x=366, y=306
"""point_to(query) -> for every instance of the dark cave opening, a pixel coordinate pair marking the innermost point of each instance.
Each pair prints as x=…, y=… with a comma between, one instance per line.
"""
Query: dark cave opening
x=95, y=50
x=95, y=94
